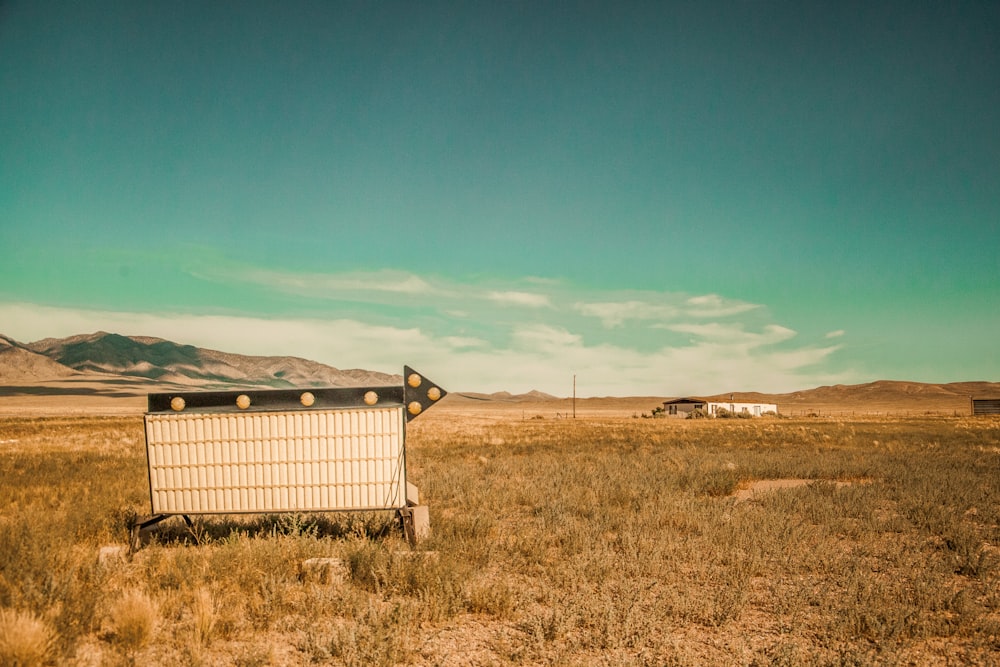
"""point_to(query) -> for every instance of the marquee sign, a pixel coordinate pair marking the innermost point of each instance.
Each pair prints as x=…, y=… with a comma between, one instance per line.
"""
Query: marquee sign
x=285, y=450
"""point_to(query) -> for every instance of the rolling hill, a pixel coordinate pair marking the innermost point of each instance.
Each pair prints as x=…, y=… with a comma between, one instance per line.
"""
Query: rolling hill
x=111, y=365
x=874, y=396
x=19, y=364
x=887, y=394
x=164, y=362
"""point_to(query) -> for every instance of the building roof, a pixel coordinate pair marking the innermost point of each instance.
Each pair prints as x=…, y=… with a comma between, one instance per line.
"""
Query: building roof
x=686, y=399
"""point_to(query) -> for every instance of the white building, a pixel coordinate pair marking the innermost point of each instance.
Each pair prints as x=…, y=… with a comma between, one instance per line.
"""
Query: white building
x=682, y=407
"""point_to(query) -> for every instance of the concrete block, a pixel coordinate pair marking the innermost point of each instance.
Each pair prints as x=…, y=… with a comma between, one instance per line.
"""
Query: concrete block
x=412, y=495
x=421, y=522
x=111, y=553
x=322, y=571
x=416, y=522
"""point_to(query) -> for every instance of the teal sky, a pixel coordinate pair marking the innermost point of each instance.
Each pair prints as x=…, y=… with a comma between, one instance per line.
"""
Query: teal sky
x=661, y=198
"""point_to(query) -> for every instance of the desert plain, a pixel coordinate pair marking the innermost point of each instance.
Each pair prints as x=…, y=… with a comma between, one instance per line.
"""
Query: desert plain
x=863, y=531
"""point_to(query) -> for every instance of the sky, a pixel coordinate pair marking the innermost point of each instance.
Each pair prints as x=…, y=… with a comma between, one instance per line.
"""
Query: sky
x=658, y=198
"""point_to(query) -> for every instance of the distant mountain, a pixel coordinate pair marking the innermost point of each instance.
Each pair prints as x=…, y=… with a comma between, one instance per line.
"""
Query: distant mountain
x=875, y=395
x=896, y=389
x=166, y=362
x=145, y=360
x=20, y=364
x=871, y=396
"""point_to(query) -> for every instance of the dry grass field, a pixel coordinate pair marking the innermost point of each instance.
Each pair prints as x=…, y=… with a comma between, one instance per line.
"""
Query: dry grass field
x=604, y=540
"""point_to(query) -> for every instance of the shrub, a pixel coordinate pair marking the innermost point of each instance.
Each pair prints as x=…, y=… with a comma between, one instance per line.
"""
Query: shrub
x=723, y=482
x=25, y=640
x=204, y=616
x=496, y=598
x=134, y=619
x=367, y=564
x=376, y=637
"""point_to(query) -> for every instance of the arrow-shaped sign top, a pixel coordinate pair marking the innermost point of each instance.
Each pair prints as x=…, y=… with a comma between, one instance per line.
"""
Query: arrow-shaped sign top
x=419, y=393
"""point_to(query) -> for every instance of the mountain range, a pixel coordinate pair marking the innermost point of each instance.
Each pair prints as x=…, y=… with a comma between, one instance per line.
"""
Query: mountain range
x=122, y=364
x=164, y=362
x=874, y=396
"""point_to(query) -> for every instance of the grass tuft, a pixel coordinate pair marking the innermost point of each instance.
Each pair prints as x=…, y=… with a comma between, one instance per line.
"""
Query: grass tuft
x=204, y=617
x=134, y=618
x=25, y=640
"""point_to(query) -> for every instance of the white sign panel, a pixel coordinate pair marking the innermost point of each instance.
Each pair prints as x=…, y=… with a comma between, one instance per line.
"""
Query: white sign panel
x=279, y=461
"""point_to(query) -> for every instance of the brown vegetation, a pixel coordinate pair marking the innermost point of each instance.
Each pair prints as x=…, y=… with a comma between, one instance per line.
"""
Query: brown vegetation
x=600, y=540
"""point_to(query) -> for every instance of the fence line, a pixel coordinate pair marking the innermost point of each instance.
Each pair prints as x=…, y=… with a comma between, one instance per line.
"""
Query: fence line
x=874, y=413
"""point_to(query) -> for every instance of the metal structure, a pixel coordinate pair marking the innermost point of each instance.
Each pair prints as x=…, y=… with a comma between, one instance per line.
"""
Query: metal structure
x=286, y=450
x=985, y=406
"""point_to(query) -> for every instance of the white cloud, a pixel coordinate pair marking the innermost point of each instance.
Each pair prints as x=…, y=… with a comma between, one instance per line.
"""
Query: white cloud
x=615, y=314
x=709, y=300
x=791, y=360
x=713, y=305
x=835, y=334
x=325, y=285
x=459, y=342
x=660, y=307
x=734, y=334
x=613, y=340
x=520, y=299
x=543, y=338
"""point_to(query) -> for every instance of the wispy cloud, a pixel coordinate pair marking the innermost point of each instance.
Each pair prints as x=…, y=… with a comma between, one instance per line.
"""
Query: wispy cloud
x=660, y=307
x=713, y=305
x=734, y=334
x=460, y=342
x=835, y=334
x=546, y=339
x=529, y=299
x=614, y=314
x=616, y=342
x=322, y=285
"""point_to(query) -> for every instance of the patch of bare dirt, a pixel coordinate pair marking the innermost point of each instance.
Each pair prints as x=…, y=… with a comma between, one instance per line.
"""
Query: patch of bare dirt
x=763, y=486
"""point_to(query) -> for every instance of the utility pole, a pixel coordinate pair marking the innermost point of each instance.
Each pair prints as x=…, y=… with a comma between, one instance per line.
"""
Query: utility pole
x=574, y=395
